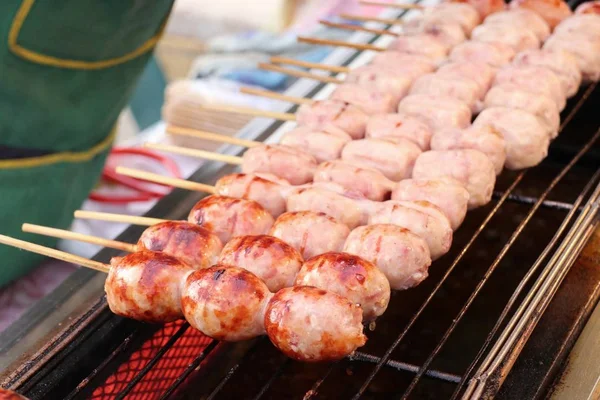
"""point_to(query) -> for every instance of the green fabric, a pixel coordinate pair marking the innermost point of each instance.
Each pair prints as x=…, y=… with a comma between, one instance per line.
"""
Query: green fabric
x=62, y=109
x=45, y=195
x=59, y=108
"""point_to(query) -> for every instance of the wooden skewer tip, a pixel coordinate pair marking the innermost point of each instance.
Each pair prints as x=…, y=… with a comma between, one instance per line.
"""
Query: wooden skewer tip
x=53, y=253
x=68, y=235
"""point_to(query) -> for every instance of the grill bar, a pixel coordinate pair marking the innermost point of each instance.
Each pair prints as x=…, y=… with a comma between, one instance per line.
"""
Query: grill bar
x=414, y=318
x=314, y=389
x=541, y=294
x=193, y=365
x=120, y=349
x=273, y=378
x=402, y=366
x=555, y=205
x=506, y=195
x=499, y=258
x=153, y=361
x=232, y=372
x=523, y=283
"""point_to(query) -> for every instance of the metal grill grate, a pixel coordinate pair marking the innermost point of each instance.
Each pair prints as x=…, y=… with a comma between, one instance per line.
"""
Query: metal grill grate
x=174, y=353
x=431, y=339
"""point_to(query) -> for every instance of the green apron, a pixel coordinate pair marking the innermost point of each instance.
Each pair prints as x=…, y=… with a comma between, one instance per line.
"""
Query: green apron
x=67, y=69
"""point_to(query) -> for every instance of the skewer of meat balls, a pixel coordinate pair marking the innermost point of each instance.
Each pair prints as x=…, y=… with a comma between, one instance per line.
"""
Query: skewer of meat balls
x=465, y=14
x=314, y=234
x=269, y=258
x=311, y=233
x=448, y=32
x=421, y=217
x=276, y=263
x=374, y=88
x=483, y=7
x=190, y=243
x=273, y=194
x=225, y=303
x=553, y=12
x=579, y=35
x=393, y=158
x=225, y=217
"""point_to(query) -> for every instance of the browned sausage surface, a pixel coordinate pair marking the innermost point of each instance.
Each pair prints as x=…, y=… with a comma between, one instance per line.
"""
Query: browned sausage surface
x=269, y=258
x=192, y=244
x=225, y=303
x=228, y=217
x=146, y=286
x=351, y=277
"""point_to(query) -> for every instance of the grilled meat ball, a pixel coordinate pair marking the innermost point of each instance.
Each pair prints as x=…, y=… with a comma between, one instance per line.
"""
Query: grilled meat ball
x=394, y=158
x=465, y=90
x=517, y=39
x=228, y=217
x=393, y=126
x=561, y=62
x=495, y=54
x=146, y=286
x=275, y=262
x=446, y=193
x=552, y=11
x=292, y=164
x=521, y=18
x=471, y=168
x=194, y=245
x=322, y=145
x=479, y=72
x=400, y=254
x=436, y=111
x=328, y=114
x=351, y=277
x=421, y=218
x=525, y=137
x=310, y=233
x=310, y=324
x=369, y=182
x=510, y=95
x=421, y=45
x=225, y=303
x=485, y=139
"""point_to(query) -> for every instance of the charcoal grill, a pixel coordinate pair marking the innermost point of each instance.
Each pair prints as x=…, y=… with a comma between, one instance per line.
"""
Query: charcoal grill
x=497, y=316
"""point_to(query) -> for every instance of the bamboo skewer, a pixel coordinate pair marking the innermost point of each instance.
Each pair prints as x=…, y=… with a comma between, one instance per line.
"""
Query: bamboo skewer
x=178, y=130
x=279, y=96
x=339, y=43
x=299, y=73
x=306, y=64
x=402, y=6
x=216, y=137
x=251, y=111
x=59, y=255
x=125, y=219
x=361, y=18
x=357, y=28
x=68, y=235
x=206, y=155
x=174, y=182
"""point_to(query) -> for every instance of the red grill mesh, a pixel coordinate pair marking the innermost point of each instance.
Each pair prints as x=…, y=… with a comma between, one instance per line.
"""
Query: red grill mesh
x=165, y=371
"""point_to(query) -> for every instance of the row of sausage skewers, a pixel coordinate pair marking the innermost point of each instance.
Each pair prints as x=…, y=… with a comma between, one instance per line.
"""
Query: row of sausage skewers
x=230, y=303
x=510, y=104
